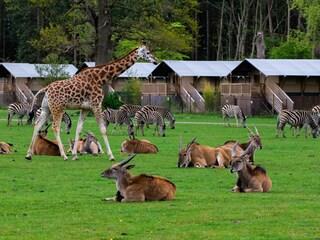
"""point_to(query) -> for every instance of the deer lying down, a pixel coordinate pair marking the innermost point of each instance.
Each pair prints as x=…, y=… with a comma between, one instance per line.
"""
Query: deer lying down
x=44, y=146
x=250, y=178
x=255, y=138
x=138, y=188
x=88, y=145
x=196, y=155
x=5, y=148
x=131, y=146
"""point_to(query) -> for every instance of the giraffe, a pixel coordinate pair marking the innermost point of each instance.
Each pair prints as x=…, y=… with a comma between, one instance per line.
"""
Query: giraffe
x=83, y=91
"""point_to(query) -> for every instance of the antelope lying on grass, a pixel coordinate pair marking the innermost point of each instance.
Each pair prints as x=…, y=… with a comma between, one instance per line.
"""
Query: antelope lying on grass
x=131, y=146
x=138, y=188
x=196, y=155
x=254, y=138
x=250, y=178
x=5, y=148
x=44, y=146
x=88, y=145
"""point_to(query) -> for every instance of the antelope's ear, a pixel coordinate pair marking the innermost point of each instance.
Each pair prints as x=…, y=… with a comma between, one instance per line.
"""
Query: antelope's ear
x=129, y=167
x=246, y=157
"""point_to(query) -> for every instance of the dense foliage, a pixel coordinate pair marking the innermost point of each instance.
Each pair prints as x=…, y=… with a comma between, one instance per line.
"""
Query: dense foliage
x=100, y=31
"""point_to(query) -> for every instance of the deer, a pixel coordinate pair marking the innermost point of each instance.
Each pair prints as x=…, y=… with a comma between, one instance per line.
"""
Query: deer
x=44, y=146
x=130, y=146
x=196, y=155
x=250, y=178
x=138, y=188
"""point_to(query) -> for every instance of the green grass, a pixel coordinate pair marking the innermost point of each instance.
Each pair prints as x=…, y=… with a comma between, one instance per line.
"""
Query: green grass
x=48, y=198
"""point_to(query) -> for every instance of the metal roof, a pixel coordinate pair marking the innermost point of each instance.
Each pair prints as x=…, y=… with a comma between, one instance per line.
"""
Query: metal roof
x=138, y=69
x=28, y=70
x=202, y=68
x=286, y=67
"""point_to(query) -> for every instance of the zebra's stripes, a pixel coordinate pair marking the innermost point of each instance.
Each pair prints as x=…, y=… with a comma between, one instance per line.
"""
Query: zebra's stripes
x=65, y=118
x=118, y=117
x=163, y=111
x=130, y=109
x=154, y=117
x=229, y=111
x=20, y=109
x=298, y=118
x=316, y=109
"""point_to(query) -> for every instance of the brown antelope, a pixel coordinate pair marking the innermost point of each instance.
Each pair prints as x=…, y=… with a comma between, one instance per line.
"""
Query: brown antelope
x=44, y=146
x=196, y=155
x=131, y=146
x=250, y=178
x=254, y=137
x=5, y=148
x=88, y=145
x=138, y=188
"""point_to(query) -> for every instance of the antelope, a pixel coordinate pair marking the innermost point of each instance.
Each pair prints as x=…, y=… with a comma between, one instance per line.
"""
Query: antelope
x=5, y=148
x=254, y=137
x=131, y=146
x=250, y=178
x=138, y=188
x=89, y=144
x=44, y=146
x=196, y=155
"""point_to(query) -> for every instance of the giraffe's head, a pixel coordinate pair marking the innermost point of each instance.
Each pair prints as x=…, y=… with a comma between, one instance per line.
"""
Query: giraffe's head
x=144, y=53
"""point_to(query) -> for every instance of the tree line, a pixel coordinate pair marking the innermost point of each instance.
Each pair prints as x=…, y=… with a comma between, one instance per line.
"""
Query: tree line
x=74, y=31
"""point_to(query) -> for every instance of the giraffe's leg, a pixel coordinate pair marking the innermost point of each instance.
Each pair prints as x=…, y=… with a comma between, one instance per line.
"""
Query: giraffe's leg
x=82, y=118
x=56, y=126
x=103, y=130
x=37, y=126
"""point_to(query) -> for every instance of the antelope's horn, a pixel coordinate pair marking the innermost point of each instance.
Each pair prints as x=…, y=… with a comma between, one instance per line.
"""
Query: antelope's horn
x=47, y=127
x=249, y=129
x=234, y=149
x=128, y=159
x=192, y=141
x=180, y=145
x=256, y=130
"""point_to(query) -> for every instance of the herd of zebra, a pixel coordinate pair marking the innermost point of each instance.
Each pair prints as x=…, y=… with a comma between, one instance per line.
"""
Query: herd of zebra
x=142, y=116
x=297, y=119
x=145, y=115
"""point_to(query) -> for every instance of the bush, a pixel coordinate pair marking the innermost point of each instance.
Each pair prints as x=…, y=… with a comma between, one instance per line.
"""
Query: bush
x=131, y=92
x=112, y=100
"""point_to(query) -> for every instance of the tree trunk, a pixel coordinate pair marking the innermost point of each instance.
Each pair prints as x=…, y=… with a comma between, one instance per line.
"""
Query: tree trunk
x=220, y=31
x=104, y=32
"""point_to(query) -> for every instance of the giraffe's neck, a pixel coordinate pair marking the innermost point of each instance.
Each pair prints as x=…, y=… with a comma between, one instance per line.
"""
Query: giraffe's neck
x=107, y=72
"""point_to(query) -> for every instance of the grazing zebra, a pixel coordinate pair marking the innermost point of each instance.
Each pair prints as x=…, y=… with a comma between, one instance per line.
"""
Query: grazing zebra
x=163, y=111
x=20, y=109
x=154, y=117
x=229, y=111
x=316, y=109
x=117, y=117
x=130, y=109
x=65, y=118
x=298, y=118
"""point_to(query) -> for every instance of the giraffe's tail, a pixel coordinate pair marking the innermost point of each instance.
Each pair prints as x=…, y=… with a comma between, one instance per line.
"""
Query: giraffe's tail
x=34, y=101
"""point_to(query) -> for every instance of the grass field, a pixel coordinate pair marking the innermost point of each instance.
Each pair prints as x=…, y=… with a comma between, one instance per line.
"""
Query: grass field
x=48, y=198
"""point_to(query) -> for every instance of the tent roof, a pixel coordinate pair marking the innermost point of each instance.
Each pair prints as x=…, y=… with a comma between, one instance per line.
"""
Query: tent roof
x=286, y=67
x=28, y=70
x=201, y=68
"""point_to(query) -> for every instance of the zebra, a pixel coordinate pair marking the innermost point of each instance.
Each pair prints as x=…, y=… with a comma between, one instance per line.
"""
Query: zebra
x=233, y=111
x=118, y=117
x=130, y=109
x=65, y=118
x=316, y=109
x=163, y=111
x=20, y=109
x=298, y=118
x=154, y=117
